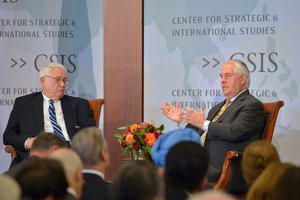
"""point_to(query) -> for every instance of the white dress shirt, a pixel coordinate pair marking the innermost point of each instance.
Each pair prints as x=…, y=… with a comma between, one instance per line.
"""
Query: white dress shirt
x=59, y=117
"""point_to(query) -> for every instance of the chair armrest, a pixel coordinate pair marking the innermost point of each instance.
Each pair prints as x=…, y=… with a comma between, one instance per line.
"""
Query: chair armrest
x=225, y=175
x=11, y=150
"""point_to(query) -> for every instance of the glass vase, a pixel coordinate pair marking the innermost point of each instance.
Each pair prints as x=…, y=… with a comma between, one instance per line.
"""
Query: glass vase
x=139, y=154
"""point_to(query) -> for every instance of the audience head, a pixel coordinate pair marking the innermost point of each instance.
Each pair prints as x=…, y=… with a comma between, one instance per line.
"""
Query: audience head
x=211, y=195
x=257, y=156
x=136, y=180
x=90, y=145
x=166, y=141
x=263, y=186
x=235, y=77
x=185, y=170
x=9, y=189
x=72, y=166
x=45, y=143
x=287, y=186
x=42, y=179
x=53, y=79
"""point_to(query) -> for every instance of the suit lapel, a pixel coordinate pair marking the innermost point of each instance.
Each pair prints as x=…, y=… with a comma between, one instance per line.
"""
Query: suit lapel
x=37, y=107
x=215, y=111
x=236, y=103
x=69, y=115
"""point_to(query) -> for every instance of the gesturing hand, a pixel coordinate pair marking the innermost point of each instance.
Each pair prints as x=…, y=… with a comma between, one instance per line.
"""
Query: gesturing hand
x=193, y=117
x=173, y=113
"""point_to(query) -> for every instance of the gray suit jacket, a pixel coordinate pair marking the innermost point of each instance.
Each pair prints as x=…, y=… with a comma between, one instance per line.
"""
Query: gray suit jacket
x=241, y=123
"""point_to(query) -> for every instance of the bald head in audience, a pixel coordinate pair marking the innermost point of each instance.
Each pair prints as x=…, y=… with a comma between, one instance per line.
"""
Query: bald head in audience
x=9, y=188
x=211, y=195
x=72, y=166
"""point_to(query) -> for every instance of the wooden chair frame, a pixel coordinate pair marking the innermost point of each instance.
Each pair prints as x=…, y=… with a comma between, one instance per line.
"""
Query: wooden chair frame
x=271, y=110
x=95, y=105
x=225, y=175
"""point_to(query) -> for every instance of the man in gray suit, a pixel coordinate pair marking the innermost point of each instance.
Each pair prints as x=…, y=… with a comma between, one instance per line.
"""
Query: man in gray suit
x=231, y=124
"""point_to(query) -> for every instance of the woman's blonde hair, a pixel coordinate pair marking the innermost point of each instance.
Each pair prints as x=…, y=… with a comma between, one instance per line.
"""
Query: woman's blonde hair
x=263, y=186
x=257, y=156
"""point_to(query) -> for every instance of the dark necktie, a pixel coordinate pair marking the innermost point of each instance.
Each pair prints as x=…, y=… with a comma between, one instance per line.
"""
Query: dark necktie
x=56, y=128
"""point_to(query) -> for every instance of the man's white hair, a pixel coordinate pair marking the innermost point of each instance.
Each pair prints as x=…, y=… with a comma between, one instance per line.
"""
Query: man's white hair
x=47, y=68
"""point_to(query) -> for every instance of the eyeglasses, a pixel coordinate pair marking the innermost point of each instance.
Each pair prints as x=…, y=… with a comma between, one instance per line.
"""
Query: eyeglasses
x=58, y=79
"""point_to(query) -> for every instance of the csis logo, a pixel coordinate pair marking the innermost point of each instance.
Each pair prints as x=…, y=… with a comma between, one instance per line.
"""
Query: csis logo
x=68, y=60
x=9, y=1
x=259, y=62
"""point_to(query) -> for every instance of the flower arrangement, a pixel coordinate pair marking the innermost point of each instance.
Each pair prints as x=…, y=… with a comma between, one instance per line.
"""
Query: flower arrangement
x=139, y=136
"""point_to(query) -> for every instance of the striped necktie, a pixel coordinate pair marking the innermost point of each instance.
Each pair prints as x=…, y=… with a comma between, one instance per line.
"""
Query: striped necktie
x=56, y=128
x=221, y=111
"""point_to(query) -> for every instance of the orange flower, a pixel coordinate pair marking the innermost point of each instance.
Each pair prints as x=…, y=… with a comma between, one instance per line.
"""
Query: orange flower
x=130, y=139
x=150, y=139
x=134, y=127
x=139, y=136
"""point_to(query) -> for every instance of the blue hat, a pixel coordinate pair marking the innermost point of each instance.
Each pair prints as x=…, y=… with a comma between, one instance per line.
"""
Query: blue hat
x=166, y=141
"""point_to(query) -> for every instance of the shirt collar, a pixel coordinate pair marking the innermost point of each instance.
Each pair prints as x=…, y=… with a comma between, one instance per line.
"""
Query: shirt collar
x=71, y=191
x=47, y=98
x=92, y=171
x=233, y=98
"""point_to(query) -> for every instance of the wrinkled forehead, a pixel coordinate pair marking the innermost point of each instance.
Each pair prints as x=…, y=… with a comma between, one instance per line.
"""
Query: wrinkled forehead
x=228, y=68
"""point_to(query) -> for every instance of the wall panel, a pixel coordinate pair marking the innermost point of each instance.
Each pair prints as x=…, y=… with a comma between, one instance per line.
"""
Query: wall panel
x=123, y=71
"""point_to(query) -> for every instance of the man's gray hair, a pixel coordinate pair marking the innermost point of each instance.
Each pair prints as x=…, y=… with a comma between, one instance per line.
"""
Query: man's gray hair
x=89, y=143
x=47, y=68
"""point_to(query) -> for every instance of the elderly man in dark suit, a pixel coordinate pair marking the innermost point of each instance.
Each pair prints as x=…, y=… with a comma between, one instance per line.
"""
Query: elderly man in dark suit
x=31, y=113
x=231, y=124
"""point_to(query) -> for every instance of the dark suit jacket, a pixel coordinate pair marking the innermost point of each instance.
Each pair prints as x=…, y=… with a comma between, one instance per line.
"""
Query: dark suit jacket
x=94, y=188
x=241, y=123
x=13, y=171
x=27, y=120
x=70, y=196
